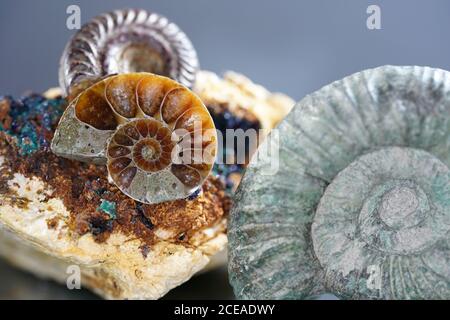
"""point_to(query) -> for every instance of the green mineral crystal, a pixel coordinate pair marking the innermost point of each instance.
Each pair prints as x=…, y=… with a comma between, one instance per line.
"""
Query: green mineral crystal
x=108, y=207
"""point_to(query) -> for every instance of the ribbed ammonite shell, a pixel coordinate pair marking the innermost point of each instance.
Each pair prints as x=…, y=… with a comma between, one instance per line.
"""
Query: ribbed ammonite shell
x=360, y=203
x=156, y=137
x=125, y=41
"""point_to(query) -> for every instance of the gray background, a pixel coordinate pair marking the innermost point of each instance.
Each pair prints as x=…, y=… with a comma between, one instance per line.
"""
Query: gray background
x=291, y=46
x=294, y=47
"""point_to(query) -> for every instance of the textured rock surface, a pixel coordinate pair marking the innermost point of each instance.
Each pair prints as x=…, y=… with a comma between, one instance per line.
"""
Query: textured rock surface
x=43, y=115
x=360, y=204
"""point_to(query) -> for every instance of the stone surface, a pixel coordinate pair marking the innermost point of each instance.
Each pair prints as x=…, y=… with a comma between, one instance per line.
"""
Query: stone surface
x=387, y=211
x=360, y=204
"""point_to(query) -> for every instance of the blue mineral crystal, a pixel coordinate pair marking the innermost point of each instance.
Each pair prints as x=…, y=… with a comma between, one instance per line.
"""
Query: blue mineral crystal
x=108, y=207
x=32, y=119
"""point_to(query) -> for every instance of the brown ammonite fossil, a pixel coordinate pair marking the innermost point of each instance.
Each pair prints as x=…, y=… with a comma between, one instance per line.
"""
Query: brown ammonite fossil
x=156, y=137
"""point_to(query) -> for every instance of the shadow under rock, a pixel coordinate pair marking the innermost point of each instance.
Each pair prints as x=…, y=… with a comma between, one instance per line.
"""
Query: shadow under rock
x=16, y=284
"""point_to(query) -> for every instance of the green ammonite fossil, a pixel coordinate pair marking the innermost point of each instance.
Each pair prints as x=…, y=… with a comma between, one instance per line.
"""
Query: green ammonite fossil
x=360, y=204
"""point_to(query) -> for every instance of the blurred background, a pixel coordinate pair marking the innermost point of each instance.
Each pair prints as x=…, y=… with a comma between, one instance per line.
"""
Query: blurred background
x=290, y=46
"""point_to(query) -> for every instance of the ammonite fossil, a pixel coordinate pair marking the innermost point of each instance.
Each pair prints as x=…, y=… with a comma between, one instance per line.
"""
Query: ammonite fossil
x=360, y=204
x=156, y=136
x=125, y=41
